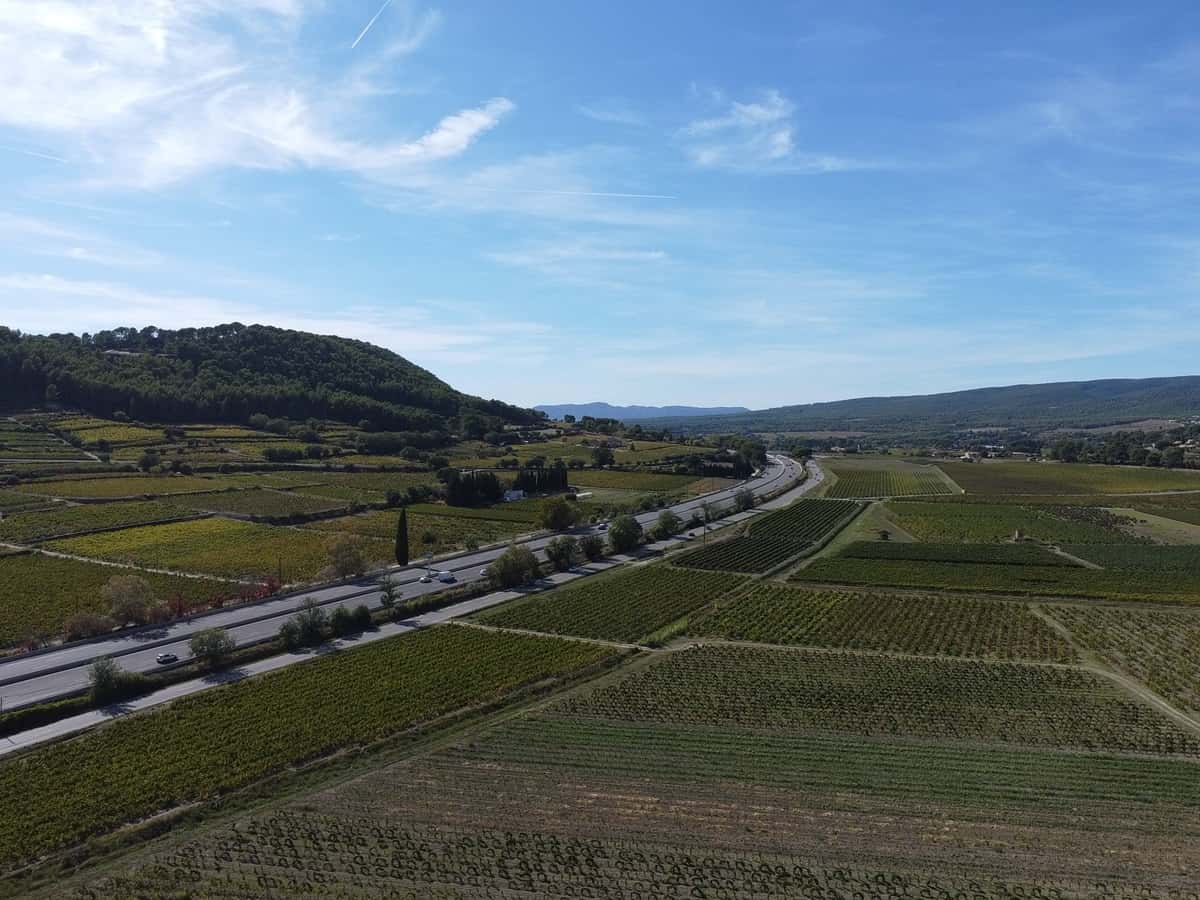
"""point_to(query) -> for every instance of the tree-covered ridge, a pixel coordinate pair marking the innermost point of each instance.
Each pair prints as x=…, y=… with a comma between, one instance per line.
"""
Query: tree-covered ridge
x=230, y=372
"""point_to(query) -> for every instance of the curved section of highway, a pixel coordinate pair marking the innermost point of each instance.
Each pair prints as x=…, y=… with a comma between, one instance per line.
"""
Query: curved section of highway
x=57, y=673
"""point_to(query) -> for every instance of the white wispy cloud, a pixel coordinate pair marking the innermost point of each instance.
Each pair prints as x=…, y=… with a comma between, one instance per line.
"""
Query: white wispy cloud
x=611, y=112
x=151, y=92
x=759, y=136
x=42, y=237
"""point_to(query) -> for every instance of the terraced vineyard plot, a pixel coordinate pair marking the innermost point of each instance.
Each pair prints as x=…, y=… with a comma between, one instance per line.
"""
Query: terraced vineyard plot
x=625, y=606
x=12, y=500
x=1065, y=581
x=832, y=692
x=997, y=522
x=219, y=547
x=133, y=486
x=772, y=539
x=267, y=503
x=946, y=626
x=1144, y=559
x=806, y=519
x=629, y=481
x=448, y=532
x=116, y=434
x=39, y=593
x=365, y=487
x=981, y=554
x=61, y=519
x=1066, y=478
x=1159, y=648
x=885, y=481
x=525, y=512
x=213, y=742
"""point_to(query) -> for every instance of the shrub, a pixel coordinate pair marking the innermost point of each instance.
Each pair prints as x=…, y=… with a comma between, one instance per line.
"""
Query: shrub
x=563, y=552
x=514, y=567
x=592, y=546
x=624, y=534
x=86, y=625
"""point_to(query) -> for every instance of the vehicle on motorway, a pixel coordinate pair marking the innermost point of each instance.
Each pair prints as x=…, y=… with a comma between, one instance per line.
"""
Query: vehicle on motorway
x=483, y=572
x=165, y=659
x=603, y=526
x=426, y=578
x=446, y=577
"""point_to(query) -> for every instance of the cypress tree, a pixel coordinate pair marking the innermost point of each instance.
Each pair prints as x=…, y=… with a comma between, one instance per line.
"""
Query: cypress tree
x=402, y=538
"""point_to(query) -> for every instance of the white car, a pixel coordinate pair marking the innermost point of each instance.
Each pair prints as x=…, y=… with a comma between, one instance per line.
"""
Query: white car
x=426, y=579
x=483, y=573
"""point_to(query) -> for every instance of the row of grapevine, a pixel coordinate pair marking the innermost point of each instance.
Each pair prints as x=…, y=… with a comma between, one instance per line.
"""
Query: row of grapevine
x=1023, y=554
x=627, y=605
x=874, y=694
x=216, y=741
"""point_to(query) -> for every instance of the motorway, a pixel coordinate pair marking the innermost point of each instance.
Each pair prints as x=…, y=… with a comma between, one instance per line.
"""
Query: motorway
x=39, y=677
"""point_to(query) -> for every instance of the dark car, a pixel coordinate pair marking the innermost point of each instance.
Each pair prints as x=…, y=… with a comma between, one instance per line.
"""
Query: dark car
x=165, y=659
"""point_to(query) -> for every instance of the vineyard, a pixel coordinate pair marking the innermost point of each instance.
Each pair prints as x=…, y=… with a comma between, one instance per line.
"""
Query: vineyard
x=1066, y=478
x=219, y=547
x=772, y=539
x=1144, y=560
x=277, y=857
x=1159, y=648
x=996, y=522
x=929, y=625
x=629, y=481
x=39, y=593
x=447, y=532
x=60, y=519
x=19, y=442
x=840, y=692
x=1067, y=581
x=981, y=554
x=886, y=482
x=627, y=605
x=265, y=503
x=148, y=486
x=219, y=740
x=525, y=512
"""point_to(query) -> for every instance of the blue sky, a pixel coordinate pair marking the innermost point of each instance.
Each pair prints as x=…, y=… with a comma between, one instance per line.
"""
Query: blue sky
x=666, y=202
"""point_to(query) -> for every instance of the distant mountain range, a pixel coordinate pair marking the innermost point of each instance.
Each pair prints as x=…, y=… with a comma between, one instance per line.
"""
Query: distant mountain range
x=634, y=413
x=1070, y=404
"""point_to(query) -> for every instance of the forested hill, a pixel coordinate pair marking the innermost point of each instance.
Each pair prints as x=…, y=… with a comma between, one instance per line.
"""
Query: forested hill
x=1074, y=404
x=230, y=372
x=633, y=413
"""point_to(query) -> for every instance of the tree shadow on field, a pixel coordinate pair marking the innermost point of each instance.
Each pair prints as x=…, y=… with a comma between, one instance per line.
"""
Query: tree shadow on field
x=117, y=709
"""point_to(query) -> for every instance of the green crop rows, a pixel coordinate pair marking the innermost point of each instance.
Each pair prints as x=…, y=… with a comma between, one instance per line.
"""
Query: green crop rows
x=38, y=593
x=1065, y=581
x=995, y=522
x=947, y=626
x=627, y=605
x=982, y=554
x=266, y=503
x=219, y=547
x=213, y=742
x=1159, y=647
x=1066, y=478
x=61, y=519
x=838, y=692
x=772, y=539
x=886, y=482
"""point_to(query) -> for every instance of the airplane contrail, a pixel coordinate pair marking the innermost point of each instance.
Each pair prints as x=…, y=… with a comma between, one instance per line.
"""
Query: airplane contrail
x=362, y=34
x=32, y=153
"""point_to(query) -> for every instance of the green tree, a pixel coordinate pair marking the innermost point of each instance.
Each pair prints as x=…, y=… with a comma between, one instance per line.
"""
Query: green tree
x=602, y=456
x=289, y=635
x=342, y=622
x=557, y=513
x=310, y=621
x=402, y=539
x=390, y=594
x=592, y=546
x=110, y=683
x=515, y=567
x=563, y=552
x=130, y=599
x=624, y=534
x=347, y=554
x=668, y=524
x=212, y=646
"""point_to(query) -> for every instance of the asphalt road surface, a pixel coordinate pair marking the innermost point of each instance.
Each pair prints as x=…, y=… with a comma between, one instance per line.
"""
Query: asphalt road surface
x=58, y=673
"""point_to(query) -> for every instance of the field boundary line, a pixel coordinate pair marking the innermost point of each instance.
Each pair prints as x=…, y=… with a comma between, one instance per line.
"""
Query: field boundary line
x=530, y=632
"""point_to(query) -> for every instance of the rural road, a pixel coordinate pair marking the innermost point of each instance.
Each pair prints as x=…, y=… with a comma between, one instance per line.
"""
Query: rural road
x=57, y=673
